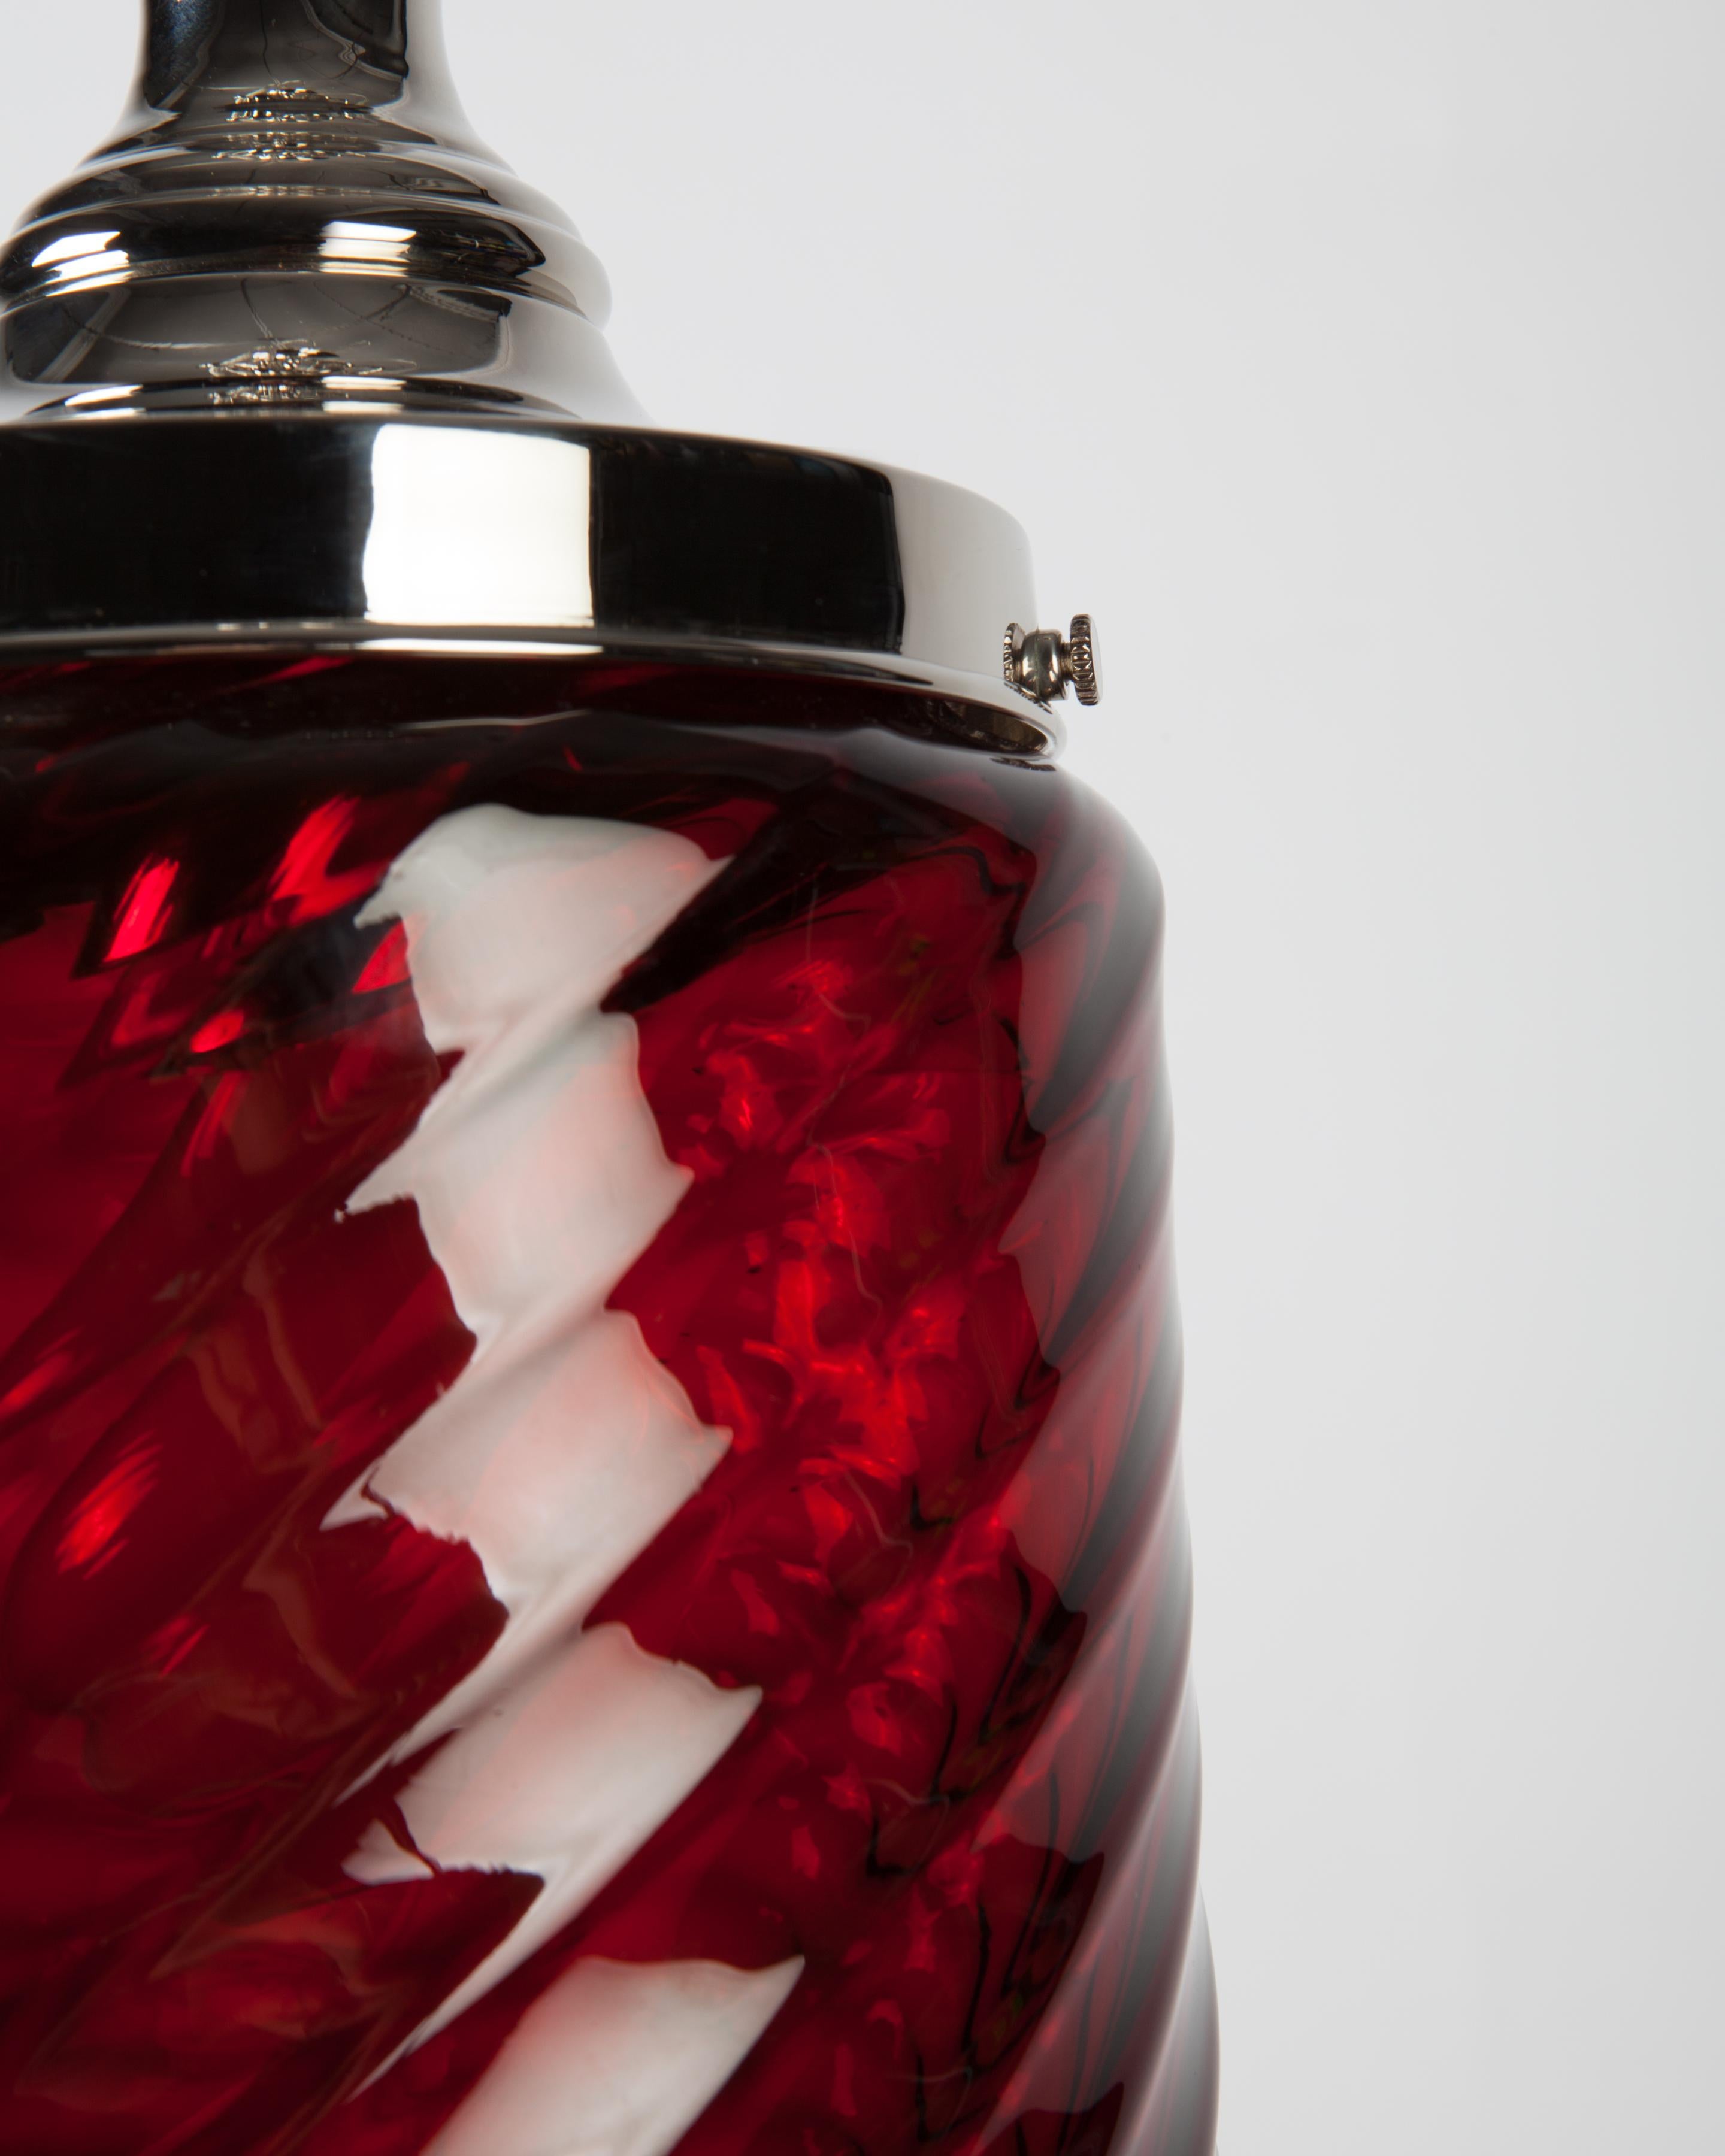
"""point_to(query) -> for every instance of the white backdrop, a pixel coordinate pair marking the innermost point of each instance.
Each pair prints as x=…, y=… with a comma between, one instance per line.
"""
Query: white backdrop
x=1359, y=364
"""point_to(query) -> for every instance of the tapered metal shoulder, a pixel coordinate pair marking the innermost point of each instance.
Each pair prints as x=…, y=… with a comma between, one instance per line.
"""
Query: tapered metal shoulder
x=295, y=212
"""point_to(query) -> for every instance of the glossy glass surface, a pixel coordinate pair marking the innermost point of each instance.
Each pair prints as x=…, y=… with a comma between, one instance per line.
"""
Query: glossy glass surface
x=591, y=1534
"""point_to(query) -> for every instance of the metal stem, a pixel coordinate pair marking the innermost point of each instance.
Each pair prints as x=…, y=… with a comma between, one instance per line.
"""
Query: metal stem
x=360, y=55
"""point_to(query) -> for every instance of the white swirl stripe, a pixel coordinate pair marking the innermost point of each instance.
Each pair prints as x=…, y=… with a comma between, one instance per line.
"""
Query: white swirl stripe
x=559, y=1454
x=617, y=2061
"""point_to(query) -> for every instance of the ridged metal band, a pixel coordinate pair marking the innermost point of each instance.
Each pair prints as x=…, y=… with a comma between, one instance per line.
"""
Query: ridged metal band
x=161, y=532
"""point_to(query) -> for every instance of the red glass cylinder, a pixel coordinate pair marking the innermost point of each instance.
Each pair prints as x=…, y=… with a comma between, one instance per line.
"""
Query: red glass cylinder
x=591, y=1544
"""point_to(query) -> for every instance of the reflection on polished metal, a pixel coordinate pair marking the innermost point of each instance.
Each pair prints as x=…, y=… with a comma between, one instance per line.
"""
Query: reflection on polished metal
x=296, y=360
x=284, y=526
x=295, y=211
x=1039, y=663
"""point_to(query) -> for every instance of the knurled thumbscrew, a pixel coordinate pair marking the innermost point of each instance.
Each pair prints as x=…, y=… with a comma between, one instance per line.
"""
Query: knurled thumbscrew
x=1040, y=662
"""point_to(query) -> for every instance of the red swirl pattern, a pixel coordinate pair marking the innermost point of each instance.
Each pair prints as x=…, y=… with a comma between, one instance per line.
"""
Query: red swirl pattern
x=906, y=1044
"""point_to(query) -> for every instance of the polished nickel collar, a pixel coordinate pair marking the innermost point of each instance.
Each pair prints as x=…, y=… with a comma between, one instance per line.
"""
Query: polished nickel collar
x=296, y=360
x=295, y=213
x=163, y=533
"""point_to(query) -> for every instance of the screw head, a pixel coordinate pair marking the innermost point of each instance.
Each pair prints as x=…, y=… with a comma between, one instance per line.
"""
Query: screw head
x=1081, y=667
x=1039, y=663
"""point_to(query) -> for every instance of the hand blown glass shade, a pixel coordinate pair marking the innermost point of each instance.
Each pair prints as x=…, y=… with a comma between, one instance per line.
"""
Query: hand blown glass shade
x=592, y=1545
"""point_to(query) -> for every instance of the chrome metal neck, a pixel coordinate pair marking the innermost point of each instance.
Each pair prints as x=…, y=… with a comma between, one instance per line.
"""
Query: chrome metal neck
x=358, y=54
x=295, y=211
